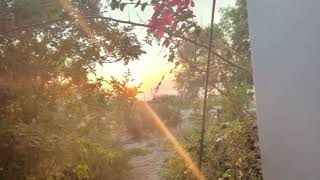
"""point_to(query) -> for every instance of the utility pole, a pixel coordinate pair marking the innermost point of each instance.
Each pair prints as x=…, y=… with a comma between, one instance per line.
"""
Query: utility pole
x=204, y=113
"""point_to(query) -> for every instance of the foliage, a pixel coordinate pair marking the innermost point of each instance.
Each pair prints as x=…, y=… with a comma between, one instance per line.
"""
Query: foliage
x=169, y=16
x=234, y=151
x=231, y=144
x=56, y=123
x=65, y=135
x=97, y=161
x=235, y=26
x=174, y=169
x=123, y=91
x=231, y=150
x=125, y=98
x=168, y=108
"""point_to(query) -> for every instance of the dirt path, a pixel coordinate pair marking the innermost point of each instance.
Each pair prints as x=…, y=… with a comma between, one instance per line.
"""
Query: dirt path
x=147, y=166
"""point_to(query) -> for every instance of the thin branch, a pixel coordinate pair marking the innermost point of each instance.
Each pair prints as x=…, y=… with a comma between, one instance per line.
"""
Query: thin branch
x=115, y=20
x=213, y=85
x=215, y=53
x=184, y=59
x=249, y=113
x=134, y=24
x=37, y=25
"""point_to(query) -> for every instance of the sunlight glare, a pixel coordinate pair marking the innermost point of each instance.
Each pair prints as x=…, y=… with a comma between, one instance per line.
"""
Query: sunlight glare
x=179, y=149
x=80, y=20
x=134, y=83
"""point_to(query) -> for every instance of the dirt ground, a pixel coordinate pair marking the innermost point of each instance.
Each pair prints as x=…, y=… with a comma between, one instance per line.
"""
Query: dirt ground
x=147, y=166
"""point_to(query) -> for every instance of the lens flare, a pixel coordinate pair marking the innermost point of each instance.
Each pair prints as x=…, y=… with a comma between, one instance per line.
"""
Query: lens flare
x=181, y=152
x=79, y=19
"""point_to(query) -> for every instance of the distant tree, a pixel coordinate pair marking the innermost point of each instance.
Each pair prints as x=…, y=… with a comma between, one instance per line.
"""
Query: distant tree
x=125, y=96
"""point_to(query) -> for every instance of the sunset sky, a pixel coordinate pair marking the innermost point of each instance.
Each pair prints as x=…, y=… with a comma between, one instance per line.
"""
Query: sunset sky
x=152, y=66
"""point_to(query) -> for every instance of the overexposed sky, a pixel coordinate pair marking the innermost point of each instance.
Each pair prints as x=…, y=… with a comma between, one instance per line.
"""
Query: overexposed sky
x=152, y=66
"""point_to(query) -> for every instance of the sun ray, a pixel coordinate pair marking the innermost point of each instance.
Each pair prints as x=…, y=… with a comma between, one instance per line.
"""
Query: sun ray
x=181, y=152
x=83, y=24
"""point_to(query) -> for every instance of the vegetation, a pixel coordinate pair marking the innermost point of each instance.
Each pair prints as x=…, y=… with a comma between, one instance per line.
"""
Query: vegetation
x=56, y=123
x=58, y=120
x=168, y=108
x=231, y=142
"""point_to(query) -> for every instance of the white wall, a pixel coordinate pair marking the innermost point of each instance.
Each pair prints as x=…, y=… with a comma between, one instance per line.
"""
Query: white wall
x=285, y=37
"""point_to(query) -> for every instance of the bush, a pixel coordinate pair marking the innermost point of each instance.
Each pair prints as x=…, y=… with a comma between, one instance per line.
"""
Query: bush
x=28, y=152
x=95, y=161
x=175, y=169
x=168, y=109
x=231, y=151
x=68, y=137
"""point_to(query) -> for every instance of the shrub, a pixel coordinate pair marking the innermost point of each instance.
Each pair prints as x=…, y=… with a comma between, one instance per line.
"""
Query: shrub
x=231, y=151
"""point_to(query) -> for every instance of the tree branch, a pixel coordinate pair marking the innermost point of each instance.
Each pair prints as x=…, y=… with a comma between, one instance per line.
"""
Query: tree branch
x=134, y=24
x=213, y=85
x=37, y=25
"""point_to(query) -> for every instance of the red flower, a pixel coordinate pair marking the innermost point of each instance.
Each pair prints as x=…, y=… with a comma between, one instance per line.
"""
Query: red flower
x=160, y=33
x=168, y=18
x=156, y=7
x=164, y=17
x=153, y=22
x=173, y=3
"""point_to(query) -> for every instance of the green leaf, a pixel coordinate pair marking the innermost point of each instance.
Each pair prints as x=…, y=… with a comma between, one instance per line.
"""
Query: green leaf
x=122, y=5
x=143, y=6
x=137, y=4
x=226, y=175
x=114, y=4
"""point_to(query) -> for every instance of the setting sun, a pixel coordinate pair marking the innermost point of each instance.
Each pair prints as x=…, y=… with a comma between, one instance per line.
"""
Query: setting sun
x=134, y=83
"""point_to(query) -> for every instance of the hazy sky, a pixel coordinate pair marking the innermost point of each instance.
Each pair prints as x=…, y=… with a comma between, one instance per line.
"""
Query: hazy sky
x=152, y=66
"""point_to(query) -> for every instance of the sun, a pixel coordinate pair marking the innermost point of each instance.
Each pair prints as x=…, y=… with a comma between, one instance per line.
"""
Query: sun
x=134, y=83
